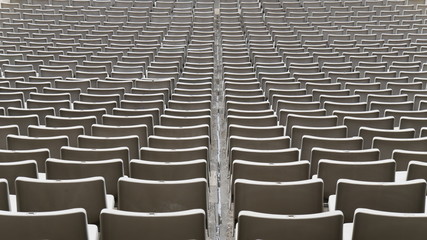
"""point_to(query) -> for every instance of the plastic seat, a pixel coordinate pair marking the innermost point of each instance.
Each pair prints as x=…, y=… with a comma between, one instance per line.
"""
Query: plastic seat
x=173, y=155
x=130, y=141
x=11, y=170
x=107, y=105
x=299, y=131
x=61, y=224
x=110, y=170
x=330, y=171
x=416, y=170
x=415, y=123
x=374, y=224
x=35, y=195
x=368, y=134
x=168, y=171
x=310, y=142
x=31, y=103
x=40, y=112
x=178, y=143
x=190, y=131
x=384, y=196
x=161, y=196
x=54, y=144
x=22, y=121
x=319, y=153
x=177, y=121
x=355, y=123
x=259, y=132
x=322, y=226
x=189, y=224
x=86, y=122
x=114, y=120
x=272, y=172
x=298, y=197
x=387, y=145
x=403, y=158
x=96, y=112
x=6, y=130
x=134, y=104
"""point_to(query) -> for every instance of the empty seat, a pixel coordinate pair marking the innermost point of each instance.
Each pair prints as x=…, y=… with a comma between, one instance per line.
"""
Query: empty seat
x=387, y=145
x=22, y=121
x=96, y=142
x=54, y=143
x=368, y=134
x=94, y=154
x=319, y=153
x=162, y=196
x=330, y=171
x=375, y=224
x=298, y=197
x=322, y=226
x=35, y=195
x=86, y=122
x=62, y=224
x=168, y=171
x=117, y=224
x=110, y=170
x=404, y=197
x=309, y=142
x=174, y=155
x=354, y=124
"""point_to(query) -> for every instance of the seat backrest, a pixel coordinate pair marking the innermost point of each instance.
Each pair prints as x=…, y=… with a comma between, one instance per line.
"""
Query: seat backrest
x=355, y=123
x=309, y=142
x=39, y=155
x=54, y=144
x=86, y=122
x=70, y=224
x=311, y=121
x=110, y=170
x=174, y=155
x=115, y=120
x=265, y=156
x=403, y=157
x=178, y=143
x=259, y=132
x=131, y=142
x=321, y=226
x=297, y=197
x=71, y=132
x=298, y=132
x=162, y=196
x=368, y=134
x=22, y=121
x=330, y=171
x=374, y=224
x=388, y=145
x=117, y=224
x=6, y=130
x=35, y=195
x=417, y=170
x=4, y=195
x=189, y=131
x=11, y=170
x=168, y=171
x=405, y=197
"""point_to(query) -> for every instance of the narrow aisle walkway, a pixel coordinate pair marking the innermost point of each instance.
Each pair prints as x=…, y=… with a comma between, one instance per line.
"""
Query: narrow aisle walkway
x=219, y=195
x=223, y=223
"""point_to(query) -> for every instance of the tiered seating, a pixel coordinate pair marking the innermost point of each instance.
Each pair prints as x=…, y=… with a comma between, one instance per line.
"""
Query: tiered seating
x=109, y=89
x=341, y=79
x=119, y=101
